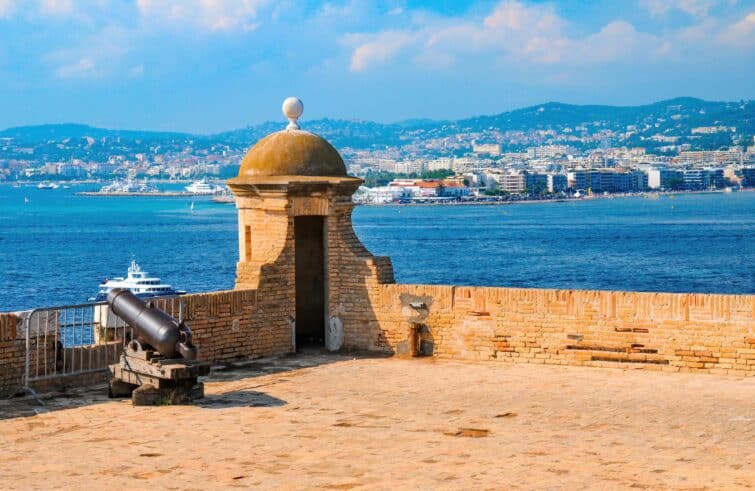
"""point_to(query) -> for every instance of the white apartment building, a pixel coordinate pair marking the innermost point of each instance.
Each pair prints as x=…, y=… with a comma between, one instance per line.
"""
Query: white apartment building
x=492, y=149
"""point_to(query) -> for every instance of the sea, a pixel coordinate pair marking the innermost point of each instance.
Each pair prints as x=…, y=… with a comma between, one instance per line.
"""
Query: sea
x=56, y=247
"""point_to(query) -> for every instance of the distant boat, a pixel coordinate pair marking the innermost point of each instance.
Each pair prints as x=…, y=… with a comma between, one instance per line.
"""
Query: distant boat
x=203, y=187
x=128, y=186
x=191, y=207
x=139, y=283
x=26, y=200
x=47, y=185
x=223, y=198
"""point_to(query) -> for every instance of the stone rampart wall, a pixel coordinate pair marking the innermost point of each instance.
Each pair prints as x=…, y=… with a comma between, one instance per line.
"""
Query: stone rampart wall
x=652, y=331
x=226, y=325
x=12, y=353
x=655, y=331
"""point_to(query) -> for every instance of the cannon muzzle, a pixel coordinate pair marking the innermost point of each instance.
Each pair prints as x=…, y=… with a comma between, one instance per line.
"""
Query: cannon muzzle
x=153, y=326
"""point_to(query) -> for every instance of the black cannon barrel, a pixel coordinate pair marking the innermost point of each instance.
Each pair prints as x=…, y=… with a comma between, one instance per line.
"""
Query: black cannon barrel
x=155, y=327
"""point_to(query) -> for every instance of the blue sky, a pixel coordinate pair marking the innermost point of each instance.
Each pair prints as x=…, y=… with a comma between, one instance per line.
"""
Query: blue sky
x=211, y=65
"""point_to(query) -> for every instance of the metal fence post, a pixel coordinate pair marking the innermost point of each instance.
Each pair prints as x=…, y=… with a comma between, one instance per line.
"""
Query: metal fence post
x=74, y=333
x=27, y=361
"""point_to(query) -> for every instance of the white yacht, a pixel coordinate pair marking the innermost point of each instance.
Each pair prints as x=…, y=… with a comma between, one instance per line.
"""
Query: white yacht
x=140, y=284
x=47, y=185
x=202, y=187
x=127, y=186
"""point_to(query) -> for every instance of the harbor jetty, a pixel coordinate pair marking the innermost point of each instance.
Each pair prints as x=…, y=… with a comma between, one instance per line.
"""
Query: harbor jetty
x=147, y=194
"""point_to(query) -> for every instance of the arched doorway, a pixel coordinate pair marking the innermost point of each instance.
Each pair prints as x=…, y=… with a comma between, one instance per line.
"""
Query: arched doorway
x=310, y=280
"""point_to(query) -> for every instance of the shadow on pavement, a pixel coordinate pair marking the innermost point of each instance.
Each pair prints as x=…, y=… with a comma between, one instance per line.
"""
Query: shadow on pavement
x=73, y=397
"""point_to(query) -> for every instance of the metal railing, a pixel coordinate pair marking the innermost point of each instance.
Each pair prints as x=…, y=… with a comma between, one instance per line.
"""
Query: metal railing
x=78, y=339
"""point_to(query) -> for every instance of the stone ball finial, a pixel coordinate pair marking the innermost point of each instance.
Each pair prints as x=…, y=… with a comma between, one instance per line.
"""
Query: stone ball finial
x=292, y=109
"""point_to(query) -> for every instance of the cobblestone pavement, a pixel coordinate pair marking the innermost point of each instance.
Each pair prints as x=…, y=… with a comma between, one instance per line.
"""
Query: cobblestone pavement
x=340, y=422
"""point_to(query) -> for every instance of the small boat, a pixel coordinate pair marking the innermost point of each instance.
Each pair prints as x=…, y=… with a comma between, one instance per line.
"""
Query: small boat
x=223, y=198
x=26, y=200
x=191, y=207
x=47, y=185
x=139, y=283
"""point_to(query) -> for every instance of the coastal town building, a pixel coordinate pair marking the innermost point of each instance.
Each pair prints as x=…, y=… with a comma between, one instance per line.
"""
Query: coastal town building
x=427, y=188
x=709, y=130
x=491, y=149
x=608, y=180
x=748, y=176
x=663, y=178
x=549, y=151
x=516, y=181
x=711, y=156
x=698, y=179
x=557, y=183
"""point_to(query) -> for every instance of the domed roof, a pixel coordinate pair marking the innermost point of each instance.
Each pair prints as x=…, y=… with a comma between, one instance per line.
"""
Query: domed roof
x=292, y=152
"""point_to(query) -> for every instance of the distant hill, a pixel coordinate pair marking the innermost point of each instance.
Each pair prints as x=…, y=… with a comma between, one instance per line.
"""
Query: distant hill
x=341, y=133
x=673, y=117
x=57, y=132
x=681, y=112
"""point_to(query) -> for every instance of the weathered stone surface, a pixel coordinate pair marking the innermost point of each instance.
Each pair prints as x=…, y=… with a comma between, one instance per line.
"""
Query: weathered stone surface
x=391, y=423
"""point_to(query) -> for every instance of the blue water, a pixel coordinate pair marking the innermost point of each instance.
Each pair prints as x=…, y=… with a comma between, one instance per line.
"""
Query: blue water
x=57, y=248
x=76, y=328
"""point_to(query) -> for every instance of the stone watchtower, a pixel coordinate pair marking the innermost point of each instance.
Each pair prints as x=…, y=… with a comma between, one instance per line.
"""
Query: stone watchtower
x=297, y=247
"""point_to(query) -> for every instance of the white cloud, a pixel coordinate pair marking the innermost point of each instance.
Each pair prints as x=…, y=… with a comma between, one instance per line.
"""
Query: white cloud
x=84, y=68
x=56, y=7
x=692, y=7
x=77, y=11
x=209, y=15
x=100, y=55
x=330, y=9
x=698, y=33
x=514, y=31
x=516, y=16
x=373, y=49
x=136, y=71
x=741, y=33
x=7, y=7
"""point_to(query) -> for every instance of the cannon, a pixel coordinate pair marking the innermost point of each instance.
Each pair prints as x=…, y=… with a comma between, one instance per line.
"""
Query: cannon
x=159, y=362
x=152, y=326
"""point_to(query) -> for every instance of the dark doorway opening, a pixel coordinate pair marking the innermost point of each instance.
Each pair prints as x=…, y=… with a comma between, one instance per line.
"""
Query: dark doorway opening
x=310, y=281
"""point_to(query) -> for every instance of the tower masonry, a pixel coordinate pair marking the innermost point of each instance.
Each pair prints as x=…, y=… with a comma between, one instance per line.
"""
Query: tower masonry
x=297, y=246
